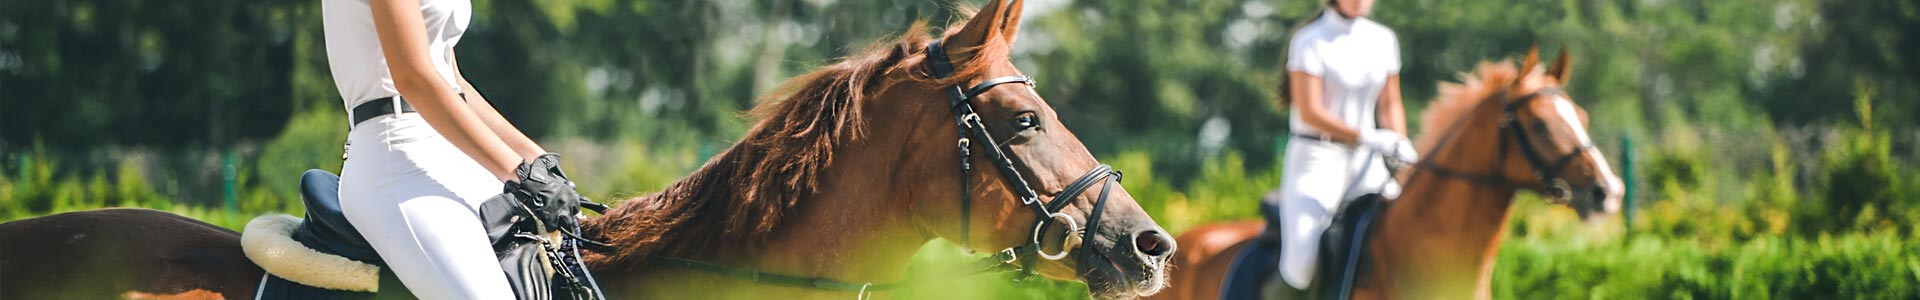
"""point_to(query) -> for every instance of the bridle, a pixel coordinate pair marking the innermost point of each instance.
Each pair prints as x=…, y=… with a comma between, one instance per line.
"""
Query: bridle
x=970, y=127
x=1556, y=189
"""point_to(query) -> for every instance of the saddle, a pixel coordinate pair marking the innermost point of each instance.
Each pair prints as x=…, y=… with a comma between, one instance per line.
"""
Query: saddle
x=322, y=256
x=1341, y=260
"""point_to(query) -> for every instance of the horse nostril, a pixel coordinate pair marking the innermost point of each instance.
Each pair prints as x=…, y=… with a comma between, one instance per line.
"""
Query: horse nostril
x=1152, y=243
x=1599, y=194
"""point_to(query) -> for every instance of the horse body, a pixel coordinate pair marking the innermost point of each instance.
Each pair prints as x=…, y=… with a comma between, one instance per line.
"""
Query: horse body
x=1419, y=252
x=1206, y=257
x=122, y=254
x=1440, y=238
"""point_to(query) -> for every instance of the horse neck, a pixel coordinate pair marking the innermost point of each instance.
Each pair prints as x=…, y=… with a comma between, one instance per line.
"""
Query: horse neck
x=856, y=227
x=858, y=231
x=1439, y=239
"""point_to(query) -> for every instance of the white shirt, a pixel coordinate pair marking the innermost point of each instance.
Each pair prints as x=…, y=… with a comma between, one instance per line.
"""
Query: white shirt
x=1353, y=58
x=353, y=46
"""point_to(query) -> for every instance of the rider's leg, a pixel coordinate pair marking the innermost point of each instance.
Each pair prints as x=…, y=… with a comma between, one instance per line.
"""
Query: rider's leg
x=1314, y=180
x=414, y=197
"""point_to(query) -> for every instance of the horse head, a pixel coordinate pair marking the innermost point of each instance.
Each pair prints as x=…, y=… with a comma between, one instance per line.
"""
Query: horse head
x=1552, y=151
x=1034, y=192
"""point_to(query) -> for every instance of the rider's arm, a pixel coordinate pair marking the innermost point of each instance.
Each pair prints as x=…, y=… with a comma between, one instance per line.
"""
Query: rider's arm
x=1306, y=101
x=403, y=40
x=1393, y=114
x=509, y=134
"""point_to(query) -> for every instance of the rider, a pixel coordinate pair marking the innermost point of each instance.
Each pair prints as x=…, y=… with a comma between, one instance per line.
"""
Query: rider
x=413, y=181
x=1343, y=70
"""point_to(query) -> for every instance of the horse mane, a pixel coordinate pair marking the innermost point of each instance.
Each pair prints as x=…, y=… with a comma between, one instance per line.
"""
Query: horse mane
x=733, y=202
x=1458, y=100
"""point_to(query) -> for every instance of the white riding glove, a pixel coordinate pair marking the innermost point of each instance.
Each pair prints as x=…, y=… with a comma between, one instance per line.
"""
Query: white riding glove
x=1390, y=145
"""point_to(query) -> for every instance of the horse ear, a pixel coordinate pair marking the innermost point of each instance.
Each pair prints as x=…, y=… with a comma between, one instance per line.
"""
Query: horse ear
x=1010, y=25
x=985, y=24
x=1560, y=67
x=1533, y=60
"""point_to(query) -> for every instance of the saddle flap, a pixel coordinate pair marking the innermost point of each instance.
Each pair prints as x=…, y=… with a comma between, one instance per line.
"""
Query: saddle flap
x=1252, y=271
x=1341, y=245
x=1270, y=211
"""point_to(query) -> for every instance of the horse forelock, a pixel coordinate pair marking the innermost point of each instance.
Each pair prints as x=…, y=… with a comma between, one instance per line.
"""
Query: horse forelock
x=732, y=203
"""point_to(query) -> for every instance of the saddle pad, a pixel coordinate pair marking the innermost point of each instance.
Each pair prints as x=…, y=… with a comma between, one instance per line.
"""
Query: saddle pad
x=1340, y=259
x=1252, y=268
x=268, y=241
x=277, y=288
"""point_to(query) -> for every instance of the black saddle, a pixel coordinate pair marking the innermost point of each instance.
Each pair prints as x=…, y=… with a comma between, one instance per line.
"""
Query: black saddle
x=520, y=252
x=327, y=230
x=1340, y=260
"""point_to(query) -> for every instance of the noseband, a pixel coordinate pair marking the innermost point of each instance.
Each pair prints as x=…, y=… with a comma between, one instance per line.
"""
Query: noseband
x=1547, y=170
x=967, y=120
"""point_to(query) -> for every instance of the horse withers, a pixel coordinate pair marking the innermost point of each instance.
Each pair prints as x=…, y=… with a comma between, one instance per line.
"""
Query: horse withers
x=1503, y=130
x=848, y=171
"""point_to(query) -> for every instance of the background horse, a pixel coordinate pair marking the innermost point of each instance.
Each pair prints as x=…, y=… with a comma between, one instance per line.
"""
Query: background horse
x=1505, y=130
x=843, y=179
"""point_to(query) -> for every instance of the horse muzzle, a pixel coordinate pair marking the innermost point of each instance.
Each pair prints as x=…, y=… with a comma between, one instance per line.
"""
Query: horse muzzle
x=1601, y=198
x=1128, y=262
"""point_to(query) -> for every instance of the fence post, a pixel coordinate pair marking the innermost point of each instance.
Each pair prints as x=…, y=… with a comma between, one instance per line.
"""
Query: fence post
x=228, y=173
x=1626, y=171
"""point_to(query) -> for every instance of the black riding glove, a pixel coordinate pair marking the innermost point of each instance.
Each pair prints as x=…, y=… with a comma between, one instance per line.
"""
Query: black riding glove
x=544, y=189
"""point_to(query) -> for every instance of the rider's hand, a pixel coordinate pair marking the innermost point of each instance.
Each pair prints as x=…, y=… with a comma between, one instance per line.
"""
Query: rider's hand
x=1391, y=145
x=541, y=186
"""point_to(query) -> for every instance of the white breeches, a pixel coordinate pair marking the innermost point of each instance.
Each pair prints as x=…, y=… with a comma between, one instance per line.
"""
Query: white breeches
x=415, y=197
x=1317, y=178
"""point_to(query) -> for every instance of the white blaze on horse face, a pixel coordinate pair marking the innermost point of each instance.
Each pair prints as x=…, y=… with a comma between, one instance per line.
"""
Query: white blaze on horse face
x=1571, y=116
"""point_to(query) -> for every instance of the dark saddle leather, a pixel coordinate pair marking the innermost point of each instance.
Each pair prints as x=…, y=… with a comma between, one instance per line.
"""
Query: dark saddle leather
x=1341, y=259
x=327, y=230
x=325, y=227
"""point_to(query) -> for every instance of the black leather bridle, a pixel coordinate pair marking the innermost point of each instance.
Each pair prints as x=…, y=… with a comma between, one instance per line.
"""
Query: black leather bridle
x=967, y=120
x=1547, y=170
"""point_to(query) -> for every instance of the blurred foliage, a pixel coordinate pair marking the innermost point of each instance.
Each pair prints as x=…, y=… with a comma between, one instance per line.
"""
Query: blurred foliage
x=1757, y=179
x=1866, y=266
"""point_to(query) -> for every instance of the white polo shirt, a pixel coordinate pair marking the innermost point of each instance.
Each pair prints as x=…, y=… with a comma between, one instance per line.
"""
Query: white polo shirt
x=353, y=46
x=1353, y=58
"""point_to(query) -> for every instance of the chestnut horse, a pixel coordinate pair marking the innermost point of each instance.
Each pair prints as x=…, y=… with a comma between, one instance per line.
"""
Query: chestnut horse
x=1504, y=130
x=849, y=171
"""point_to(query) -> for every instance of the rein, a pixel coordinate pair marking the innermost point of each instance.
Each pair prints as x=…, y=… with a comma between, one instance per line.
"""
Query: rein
x=1010, y=259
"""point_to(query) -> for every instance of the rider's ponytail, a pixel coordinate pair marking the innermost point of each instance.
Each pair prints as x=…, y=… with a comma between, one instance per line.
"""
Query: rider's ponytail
x=1286, y=94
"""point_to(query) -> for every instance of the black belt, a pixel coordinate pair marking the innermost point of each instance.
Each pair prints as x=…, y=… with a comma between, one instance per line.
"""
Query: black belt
x=378, y=107
x=1315, y=137
x=383, y=106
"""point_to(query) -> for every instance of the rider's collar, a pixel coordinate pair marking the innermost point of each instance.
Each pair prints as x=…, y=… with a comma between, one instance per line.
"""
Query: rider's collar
x=1337, y=20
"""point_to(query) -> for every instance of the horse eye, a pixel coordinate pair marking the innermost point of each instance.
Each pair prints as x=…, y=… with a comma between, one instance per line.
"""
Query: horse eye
x=1026, y=121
